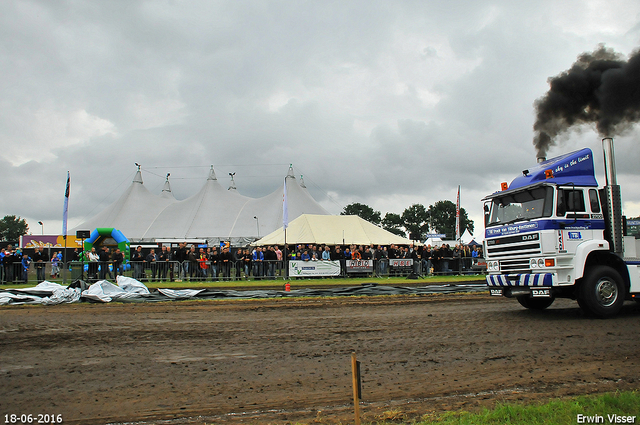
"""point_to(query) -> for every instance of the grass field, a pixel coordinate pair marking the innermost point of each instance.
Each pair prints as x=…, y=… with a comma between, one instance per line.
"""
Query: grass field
x=622, y=407
x=300, y=283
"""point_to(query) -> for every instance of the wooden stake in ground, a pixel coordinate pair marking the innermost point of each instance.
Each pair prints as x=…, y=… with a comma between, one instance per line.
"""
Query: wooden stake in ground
x=355, y=371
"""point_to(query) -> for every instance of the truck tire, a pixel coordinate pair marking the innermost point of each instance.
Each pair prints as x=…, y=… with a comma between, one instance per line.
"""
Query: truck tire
x=535, y=303
x=601, y=292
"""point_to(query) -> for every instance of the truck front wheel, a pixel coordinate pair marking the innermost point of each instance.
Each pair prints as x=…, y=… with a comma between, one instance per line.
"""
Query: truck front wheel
x=535, y=303
x=601, y=292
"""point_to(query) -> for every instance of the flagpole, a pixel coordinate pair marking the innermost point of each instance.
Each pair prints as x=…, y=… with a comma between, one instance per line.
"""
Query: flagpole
x=458, y=217
x=65, y=214
x=285, y=224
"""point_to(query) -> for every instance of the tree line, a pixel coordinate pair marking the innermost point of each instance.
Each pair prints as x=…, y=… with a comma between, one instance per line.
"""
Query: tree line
x=12, y=227
x=416, y=221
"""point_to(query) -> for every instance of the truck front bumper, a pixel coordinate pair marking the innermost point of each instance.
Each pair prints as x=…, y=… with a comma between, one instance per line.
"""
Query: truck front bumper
x=511, y=285
x=533, y=279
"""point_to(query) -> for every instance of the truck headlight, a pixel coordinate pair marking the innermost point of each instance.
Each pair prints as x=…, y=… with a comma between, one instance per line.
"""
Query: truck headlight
x=540, y=263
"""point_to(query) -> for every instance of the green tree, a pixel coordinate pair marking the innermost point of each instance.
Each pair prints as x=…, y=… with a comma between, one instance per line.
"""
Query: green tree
x=393, y=223
x=363, y=211
x=12, y=227
x=443, y=219
x=416, y=220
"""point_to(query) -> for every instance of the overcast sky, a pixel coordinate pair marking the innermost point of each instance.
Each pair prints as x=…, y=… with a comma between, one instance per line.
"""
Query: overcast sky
x=386, y=103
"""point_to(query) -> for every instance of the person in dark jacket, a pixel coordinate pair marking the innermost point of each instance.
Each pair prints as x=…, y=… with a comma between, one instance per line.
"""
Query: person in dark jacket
x=117, y=258
x=103, y=256
x=9, y=259
x=40, y=259
x=192, y=260
x=152, y=261
x=163, y=262
x=137, y=261
x=225, y=263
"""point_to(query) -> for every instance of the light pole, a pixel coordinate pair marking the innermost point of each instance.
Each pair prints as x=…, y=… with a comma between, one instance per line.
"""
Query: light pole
x=257, y=225
x=48, y=244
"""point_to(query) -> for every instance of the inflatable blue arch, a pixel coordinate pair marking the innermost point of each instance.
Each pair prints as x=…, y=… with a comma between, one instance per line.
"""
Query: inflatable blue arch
x=101, y=234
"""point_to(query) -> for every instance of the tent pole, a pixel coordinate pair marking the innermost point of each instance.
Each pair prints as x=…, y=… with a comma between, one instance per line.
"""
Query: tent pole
x=286, y=262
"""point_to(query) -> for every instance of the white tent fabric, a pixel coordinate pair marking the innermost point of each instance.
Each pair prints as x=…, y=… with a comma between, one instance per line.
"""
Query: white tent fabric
x=333, y=230
x=208, y=213
x=214, y=214
x=268, y=210
x=46, y=293
x=466, y=237
x=133, y=212
x=433, y=241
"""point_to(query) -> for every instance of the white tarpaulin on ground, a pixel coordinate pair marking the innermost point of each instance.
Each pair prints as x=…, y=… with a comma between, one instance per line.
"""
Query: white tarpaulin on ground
x=131, y=290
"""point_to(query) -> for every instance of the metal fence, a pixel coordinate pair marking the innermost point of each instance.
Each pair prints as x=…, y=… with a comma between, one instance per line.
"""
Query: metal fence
x=207, y=271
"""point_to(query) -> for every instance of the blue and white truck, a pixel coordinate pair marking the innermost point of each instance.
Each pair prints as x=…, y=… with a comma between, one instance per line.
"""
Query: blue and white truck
x=552, y=233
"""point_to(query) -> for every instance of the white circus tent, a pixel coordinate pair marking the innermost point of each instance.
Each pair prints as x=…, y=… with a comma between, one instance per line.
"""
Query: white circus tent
x=133, y=212
x=213, y=214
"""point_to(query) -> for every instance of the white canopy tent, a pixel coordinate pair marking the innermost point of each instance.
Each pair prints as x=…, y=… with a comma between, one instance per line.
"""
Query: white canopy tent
x=133, y=212
x=466, y=237
x=214, y=213
x=332, y=230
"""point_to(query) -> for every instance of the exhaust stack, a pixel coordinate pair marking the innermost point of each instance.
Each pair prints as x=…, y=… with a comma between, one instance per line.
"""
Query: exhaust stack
x=614, y=200
x=540, y=159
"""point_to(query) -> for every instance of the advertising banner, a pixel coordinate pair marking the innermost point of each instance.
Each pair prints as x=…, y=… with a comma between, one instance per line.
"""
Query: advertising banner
x=401, y=263
x=49, y=241
x=359, y=266
x=313, y=268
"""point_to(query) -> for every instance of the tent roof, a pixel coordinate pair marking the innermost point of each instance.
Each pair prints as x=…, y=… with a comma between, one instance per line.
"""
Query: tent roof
x=466, y=237
x=132, y=213
x=214, y=213
x=333, y=230
x=201, y=215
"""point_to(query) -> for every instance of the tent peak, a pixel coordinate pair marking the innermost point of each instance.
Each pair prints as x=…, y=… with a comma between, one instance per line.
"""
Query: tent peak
x=233, y=182
x=212, y=174
x=290, y=172
x=302, y=181
x=167, y=186
x=138, y=177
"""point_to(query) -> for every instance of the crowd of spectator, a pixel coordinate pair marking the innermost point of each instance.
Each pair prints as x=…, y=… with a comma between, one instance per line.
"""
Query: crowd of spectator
x=195, y=263
x=264, y=262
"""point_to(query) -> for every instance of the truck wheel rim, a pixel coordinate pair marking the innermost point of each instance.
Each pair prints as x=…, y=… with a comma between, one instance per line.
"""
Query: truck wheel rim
x=606, y=292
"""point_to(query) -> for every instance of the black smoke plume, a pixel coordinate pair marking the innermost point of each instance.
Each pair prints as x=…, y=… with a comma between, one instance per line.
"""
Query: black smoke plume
x=601, y=88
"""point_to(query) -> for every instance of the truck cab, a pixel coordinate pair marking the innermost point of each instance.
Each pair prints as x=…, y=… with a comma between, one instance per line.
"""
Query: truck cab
x=551, y=233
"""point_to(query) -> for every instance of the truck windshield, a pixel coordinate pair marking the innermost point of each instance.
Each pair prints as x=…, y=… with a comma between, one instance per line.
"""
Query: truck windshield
x=521, y=206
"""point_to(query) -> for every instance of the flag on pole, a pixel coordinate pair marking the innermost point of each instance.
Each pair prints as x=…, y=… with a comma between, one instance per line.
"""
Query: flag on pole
x=65, y=213
x=458, y=216
x=285, y=207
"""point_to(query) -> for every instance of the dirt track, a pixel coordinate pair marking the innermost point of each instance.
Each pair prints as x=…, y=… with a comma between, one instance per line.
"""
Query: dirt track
x=289, y=360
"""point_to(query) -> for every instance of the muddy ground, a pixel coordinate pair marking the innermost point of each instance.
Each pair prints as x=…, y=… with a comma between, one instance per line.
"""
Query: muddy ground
x=285, y=360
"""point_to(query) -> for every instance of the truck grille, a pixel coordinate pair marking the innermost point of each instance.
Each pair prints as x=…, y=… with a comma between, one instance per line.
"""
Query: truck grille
x=514, y=252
